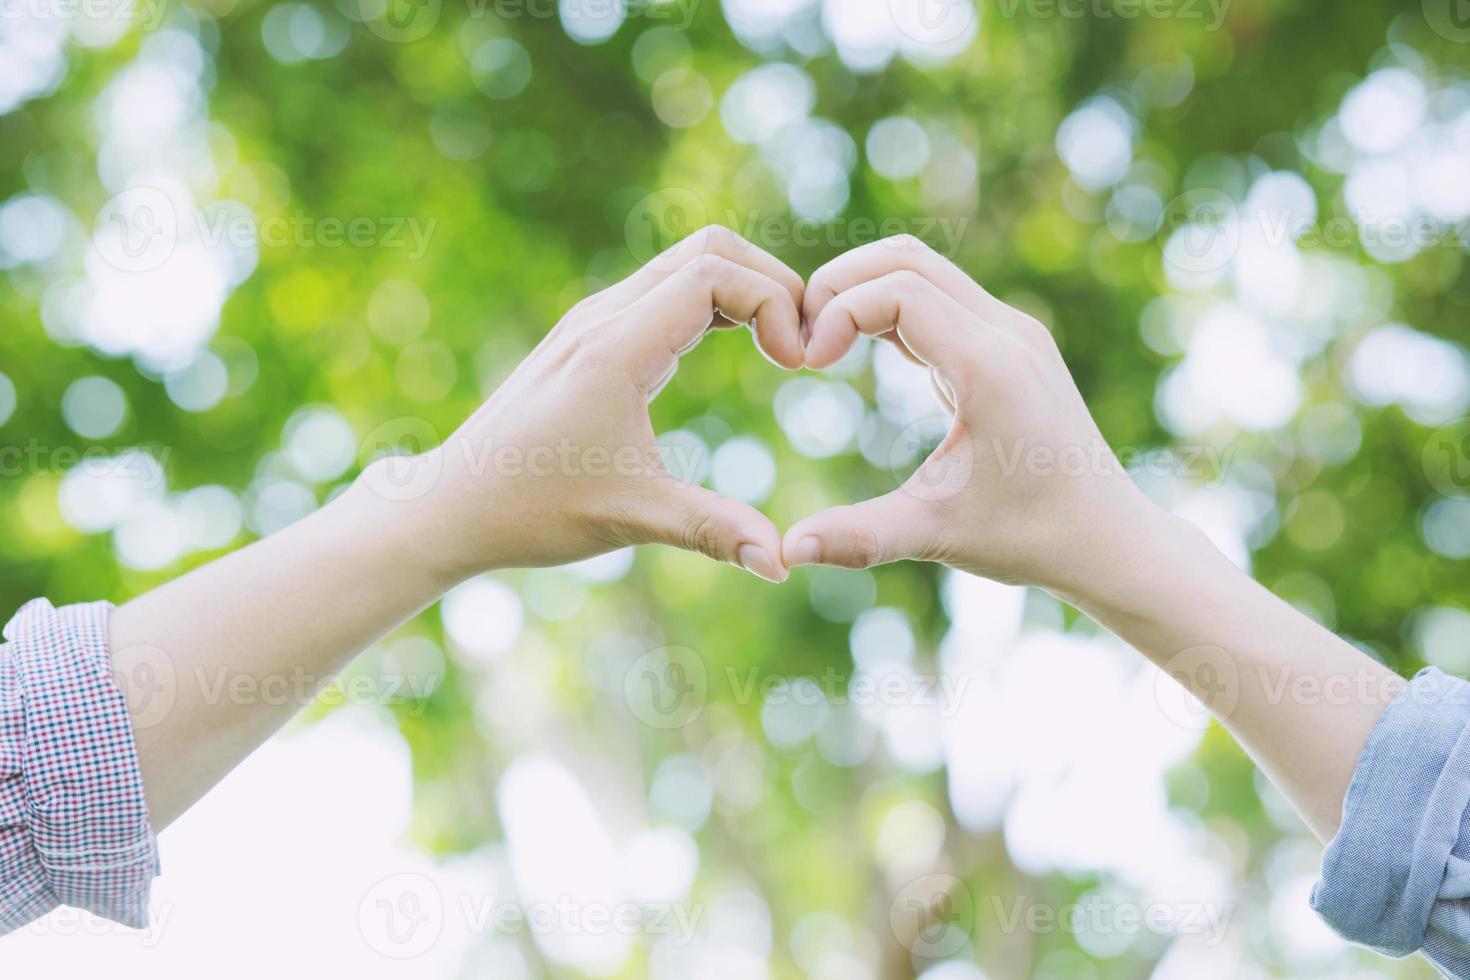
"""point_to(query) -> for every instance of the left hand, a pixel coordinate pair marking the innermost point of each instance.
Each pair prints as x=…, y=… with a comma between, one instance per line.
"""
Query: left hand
x=1024, y=488
x=561, y=463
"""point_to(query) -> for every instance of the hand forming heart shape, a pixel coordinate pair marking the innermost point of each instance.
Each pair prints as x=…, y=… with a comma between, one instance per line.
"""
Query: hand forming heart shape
x=569, y=439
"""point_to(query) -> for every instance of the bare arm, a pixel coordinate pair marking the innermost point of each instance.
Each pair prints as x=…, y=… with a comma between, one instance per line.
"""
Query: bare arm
x=559, y=465
x=1025, y=489
x=285, y=613
x=1298, y=698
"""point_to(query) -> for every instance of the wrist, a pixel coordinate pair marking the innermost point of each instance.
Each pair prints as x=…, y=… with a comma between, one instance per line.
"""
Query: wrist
x=401, y=501
x=1130, y=566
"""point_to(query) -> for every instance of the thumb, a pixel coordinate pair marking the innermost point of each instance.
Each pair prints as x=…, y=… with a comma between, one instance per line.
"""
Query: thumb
x=874, y=532
x=701, y=520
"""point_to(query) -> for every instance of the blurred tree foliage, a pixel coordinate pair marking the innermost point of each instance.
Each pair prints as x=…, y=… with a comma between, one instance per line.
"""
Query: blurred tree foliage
x=535, y=214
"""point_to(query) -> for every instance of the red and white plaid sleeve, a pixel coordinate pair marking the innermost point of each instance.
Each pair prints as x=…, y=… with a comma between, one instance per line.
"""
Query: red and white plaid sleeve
x=74, y=827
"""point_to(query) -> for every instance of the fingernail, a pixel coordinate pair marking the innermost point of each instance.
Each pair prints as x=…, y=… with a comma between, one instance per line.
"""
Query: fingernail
x=806, y=552
x=757, y=561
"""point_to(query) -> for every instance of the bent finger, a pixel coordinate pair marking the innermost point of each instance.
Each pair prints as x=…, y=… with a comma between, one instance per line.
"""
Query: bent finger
x=900, y=253
x=700, y=520
x=932, y=325
x=676, y=314
x=712, y=240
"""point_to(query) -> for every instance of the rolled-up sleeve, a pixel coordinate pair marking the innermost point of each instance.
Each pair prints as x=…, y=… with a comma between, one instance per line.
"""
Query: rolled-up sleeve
x=1397, y=875
x=74, y=826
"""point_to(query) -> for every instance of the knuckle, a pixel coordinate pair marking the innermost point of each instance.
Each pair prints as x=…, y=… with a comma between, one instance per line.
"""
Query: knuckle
x=909, y=242
x=716, y=238
x=908, y=281
x=586, y=344
x=584, y=309
x=1033, y=328
x=707, y=267
x=867, y=550
x=701, y=533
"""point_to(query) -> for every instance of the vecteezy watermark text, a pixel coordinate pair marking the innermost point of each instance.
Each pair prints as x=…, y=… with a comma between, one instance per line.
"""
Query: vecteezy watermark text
x=1097, y=915
x=154, y=683
x=404, y=915
x=34, y=458
x=147, y=13
x=1211, y=12
x=398, y=475
x=138, y=229
x=67, y=923
x=1205, y=463
x=407, y=21
x=667, y=216
x=935, y=915
x=668, y=688
x=1217, y=683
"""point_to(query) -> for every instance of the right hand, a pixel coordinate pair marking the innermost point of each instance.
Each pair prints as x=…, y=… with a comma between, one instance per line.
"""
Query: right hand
x=1023, y=489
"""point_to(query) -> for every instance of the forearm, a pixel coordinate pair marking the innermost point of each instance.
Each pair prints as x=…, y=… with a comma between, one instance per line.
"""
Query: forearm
x=1300, y=700
x=284, y=615
x=1024, y=488
x=559, y=465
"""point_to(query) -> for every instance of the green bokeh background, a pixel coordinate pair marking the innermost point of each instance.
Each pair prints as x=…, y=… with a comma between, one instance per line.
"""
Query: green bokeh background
x=541, y=217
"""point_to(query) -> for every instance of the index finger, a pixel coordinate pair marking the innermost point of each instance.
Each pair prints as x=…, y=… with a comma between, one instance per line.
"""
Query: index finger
x=930, y=322
x=675, y=315
x=897, y=254
x=714, y=240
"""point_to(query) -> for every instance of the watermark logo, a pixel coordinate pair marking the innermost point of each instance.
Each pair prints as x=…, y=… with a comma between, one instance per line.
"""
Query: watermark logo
x=1210, y=683
x=398, y=458
x=401, y=917
x=1200, y=231
x=400, y=21
x=1446, y=458
x=667, y=688
x=944, y=472
x=149, y=682
x=661, y=220
x=934, y=22
x=136, y=229
x=932, y=916
x=1450, y=19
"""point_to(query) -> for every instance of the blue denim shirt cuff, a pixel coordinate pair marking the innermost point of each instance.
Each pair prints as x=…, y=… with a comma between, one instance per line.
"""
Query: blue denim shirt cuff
x=1402, y=817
